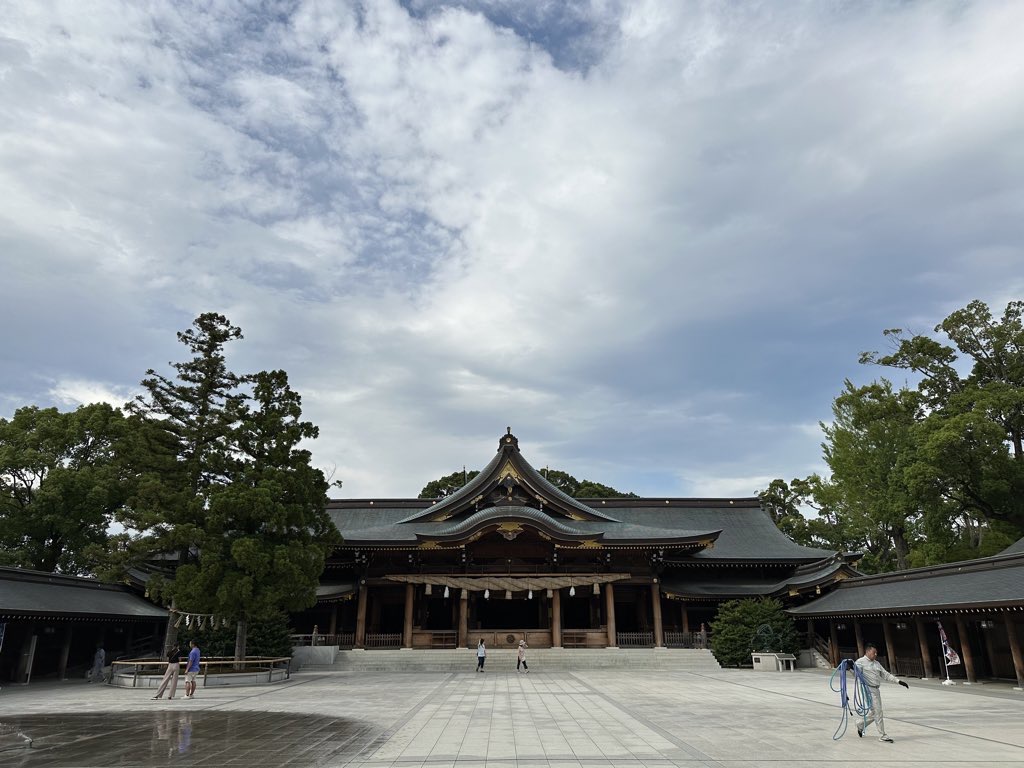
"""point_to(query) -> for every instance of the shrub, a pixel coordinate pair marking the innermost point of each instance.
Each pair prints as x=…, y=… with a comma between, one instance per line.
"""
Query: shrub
x=744, y=626
x=268, y=636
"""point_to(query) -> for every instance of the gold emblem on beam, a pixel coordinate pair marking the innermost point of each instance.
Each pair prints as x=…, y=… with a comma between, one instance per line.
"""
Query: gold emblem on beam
x=510, y=530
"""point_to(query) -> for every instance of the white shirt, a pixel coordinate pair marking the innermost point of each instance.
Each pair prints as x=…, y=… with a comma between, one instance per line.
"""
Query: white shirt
x=873, y=672
x=481, y=651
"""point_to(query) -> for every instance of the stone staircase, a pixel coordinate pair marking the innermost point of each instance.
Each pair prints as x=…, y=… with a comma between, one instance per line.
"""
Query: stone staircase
x=502, y=660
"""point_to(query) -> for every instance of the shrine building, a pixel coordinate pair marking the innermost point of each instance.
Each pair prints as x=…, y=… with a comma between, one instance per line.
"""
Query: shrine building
x=510, y=557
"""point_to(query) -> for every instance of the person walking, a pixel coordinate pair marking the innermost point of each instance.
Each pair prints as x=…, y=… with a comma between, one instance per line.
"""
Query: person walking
x=99, y=660
x=191, y=670
x=170, y=673
x=521, y=658
x=481, y=655
x=874, y=673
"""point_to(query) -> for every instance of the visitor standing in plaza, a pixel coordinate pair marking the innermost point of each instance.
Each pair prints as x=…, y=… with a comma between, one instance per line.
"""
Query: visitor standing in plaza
x=521, y=658
x=874, y=673
x=191, y=670
x=99, y=660
x=481, y=655
x=170, y=673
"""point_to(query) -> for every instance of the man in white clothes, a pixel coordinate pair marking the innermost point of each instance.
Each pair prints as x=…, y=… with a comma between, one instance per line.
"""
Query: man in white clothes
x=873, y=674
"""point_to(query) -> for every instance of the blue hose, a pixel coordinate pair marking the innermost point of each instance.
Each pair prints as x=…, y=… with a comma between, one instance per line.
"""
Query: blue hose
x=861, y=696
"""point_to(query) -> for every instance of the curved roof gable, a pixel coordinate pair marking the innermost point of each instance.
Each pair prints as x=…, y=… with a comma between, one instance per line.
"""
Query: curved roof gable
x=508, y=480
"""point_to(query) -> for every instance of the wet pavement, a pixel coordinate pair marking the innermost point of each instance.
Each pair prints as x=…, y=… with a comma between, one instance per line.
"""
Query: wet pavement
x=594, y=719
x=181, y=738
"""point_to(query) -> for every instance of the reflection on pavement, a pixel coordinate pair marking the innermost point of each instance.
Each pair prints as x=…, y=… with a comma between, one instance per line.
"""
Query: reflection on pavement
x=180, y=737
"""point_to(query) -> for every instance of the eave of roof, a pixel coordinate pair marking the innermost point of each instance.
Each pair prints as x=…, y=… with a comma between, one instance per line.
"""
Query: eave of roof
x=33, y=593
x=992, y=582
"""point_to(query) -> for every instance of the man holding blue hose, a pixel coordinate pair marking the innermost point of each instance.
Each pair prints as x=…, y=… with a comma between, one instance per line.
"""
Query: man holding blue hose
x=873, y=674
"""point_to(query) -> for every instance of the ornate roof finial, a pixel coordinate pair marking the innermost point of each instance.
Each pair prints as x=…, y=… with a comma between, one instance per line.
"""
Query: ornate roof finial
x=508, y=441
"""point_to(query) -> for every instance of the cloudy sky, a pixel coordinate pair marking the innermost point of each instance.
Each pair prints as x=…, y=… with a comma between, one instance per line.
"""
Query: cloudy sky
x=651, y=237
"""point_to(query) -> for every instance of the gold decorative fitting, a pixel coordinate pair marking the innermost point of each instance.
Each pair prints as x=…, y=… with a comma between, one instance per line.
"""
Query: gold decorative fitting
x=589, y=544
x=429, y=545
x=508, y=471
x=509, y=530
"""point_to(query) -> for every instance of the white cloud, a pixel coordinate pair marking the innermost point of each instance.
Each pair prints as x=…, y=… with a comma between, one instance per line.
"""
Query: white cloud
x=645, y=244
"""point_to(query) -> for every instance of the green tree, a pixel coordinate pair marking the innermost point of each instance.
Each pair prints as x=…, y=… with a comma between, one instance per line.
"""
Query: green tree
x=869, y=446
x=585, y=489
x=755, y=624
x=183, y=450
x=61, y=482
x=267, y=532
x=972, y=446
x=267, y=636
x=447, y=485
x=782, y=501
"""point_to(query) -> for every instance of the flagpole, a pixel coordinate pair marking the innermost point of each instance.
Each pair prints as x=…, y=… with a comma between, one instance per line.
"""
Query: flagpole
x=945, y=660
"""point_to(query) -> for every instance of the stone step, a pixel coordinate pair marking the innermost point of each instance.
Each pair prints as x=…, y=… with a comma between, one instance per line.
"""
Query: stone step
x=452, y=660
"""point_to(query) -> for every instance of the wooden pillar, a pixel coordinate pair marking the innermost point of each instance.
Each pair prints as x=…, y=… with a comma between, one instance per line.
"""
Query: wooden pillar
x=27, y=656
x=65, y=651
x=859, y=635
x=890, y=647
x=686, y=618
x=609, y=602
x=333, y=627
x=410, y=593
x=810, y=633
x=1018, y=659
x=464, y=618
x=360, y=638
x=926, y=656
x=993, y=661
x=659, y=630
x=833, y=642
x=556, y=618
x=965, y=648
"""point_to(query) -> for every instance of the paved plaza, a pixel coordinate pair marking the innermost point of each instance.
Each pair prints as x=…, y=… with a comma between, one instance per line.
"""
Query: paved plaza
x=498, y=719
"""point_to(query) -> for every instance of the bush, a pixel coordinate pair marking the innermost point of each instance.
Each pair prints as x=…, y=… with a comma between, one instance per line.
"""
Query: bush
x=744, y=626
x=268, y=636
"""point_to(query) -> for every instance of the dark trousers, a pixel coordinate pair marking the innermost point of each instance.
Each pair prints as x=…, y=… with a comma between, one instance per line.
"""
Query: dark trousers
x=480, y=662
x=521, y=661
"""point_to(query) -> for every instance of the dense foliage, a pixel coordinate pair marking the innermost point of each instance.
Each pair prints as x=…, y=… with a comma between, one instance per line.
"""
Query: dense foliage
x=267, y=636
x=62, y=480
x=744, y=626
x=928, y=474
x=579, y=489
x=226, y=496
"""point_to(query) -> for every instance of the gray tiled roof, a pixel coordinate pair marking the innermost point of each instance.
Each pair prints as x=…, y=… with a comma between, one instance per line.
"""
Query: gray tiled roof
x=991, y=581
x=690, y=584
x=747, y=532
x=401, y=533
x=1017, y=548
x=31, y=593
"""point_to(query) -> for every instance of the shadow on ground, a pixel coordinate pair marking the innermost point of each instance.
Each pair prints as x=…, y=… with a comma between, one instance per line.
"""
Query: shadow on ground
x=181, y=737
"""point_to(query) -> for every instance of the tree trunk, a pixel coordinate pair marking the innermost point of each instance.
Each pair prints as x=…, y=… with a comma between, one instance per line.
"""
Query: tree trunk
x=171, y=635
x=240, y=636
x=902, y=548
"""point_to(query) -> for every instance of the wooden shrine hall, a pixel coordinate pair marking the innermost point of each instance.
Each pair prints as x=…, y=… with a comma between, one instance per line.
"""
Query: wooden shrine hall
x=509, y=556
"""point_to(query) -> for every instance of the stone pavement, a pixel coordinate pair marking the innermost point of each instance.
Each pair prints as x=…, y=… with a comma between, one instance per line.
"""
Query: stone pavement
x=634, y=719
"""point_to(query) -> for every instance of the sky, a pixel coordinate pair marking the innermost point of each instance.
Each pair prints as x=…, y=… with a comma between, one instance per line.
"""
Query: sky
x=651, y=237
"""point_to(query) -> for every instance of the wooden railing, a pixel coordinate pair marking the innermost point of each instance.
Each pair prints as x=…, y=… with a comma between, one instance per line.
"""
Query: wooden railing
x=383, y=640
x=908, y=668
x=822, y=646
x=687, y=639
x=634, y=639
x=584, y=638
x=344, y=640
x=444, y=638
